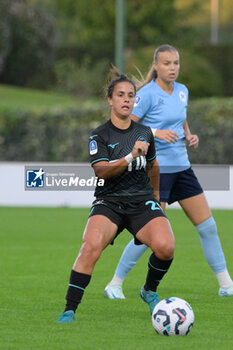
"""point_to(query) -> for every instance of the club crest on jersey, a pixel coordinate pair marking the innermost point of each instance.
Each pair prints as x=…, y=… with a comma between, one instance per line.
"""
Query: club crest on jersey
x=182, y=96
x=93, y=147
x=137, y=100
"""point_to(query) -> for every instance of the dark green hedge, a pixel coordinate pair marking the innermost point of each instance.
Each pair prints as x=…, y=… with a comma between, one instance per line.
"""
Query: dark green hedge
x=212, y=120
x=56, y=135
x=62, y=135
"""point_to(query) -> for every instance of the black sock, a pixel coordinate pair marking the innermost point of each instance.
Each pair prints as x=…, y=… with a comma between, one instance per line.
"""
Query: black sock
x=77, y=285
x=156, y=270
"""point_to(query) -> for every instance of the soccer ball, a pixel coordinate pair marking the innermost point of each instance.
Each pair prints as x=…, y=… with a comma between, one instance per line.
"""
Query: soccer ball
x=173, y=316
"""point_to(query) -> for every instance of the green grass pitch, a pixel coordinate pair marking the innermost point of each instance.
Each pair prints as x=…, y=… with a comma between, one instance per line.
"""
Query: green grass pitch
x=37, y=249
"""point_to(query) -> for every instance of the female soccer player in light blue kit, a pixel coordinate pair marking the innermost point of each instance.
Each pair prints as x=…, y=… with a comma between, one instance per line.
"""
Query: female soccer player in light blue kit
x=161, y=103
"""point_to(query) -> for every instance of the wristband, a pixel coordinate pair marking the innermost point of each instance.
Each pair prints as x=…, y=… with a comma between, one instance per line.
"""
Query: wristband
x=153, y=131
x=129, y=158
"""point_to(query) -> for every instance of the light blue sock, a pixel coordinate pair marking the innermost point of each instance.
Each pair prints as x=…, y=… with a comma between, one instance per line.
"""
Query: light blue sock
x=211, y=245
x=130, y=256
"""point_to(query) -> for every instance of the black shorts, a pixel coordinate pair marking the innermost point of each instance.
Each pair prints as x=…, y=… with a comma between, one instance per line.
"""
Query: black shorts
x=177, y=186
x=127, y=213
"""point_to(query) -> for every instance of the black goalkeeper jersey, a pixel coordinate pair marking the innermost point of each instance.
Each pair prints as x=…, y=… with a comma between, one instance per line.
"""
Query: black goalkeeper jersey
x=108, y=143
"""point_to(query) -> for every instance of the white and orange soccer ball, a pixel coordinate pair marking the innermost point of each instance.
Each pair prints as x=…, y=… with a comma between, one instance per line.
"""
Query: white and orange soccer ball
x=173, y=316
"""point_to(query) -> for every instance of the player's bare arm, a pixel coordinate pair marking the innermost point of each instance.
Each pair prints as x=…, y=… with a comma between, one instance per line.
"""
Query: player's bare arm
x=105, y=170
x=192, y=139
x=153, y=172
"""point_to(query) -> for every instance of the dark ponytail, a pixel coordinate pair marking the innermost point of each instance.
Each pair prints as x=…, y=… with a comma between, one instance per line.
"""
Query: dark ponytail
x=115, y=77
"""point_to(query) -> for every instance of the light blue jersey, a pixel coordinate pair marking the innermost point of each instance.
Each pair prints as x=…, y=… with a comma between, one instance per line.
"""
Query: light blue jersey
x=159, y=110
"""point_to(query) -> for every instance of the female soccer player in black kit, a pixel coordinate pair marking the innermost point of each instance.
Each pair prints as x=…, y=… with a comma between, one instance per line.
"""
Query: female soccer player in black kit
x=122, y=153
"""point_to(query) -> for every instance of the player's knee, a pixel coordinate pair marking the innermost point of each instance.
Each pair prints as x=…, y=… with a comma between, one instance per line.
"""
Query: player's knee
x=90, y=251
x=168, y=251
x=165, y=249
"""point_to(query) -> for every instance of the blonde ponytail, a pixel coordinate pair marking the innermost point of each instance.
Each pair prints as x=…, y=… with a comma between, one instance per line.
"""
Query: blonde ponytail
x=152, y=74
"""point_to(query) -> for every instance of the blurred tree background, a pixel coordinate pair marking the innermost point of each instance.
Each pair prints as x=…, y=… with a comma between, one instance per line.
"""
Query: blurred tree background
x=67, y=46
